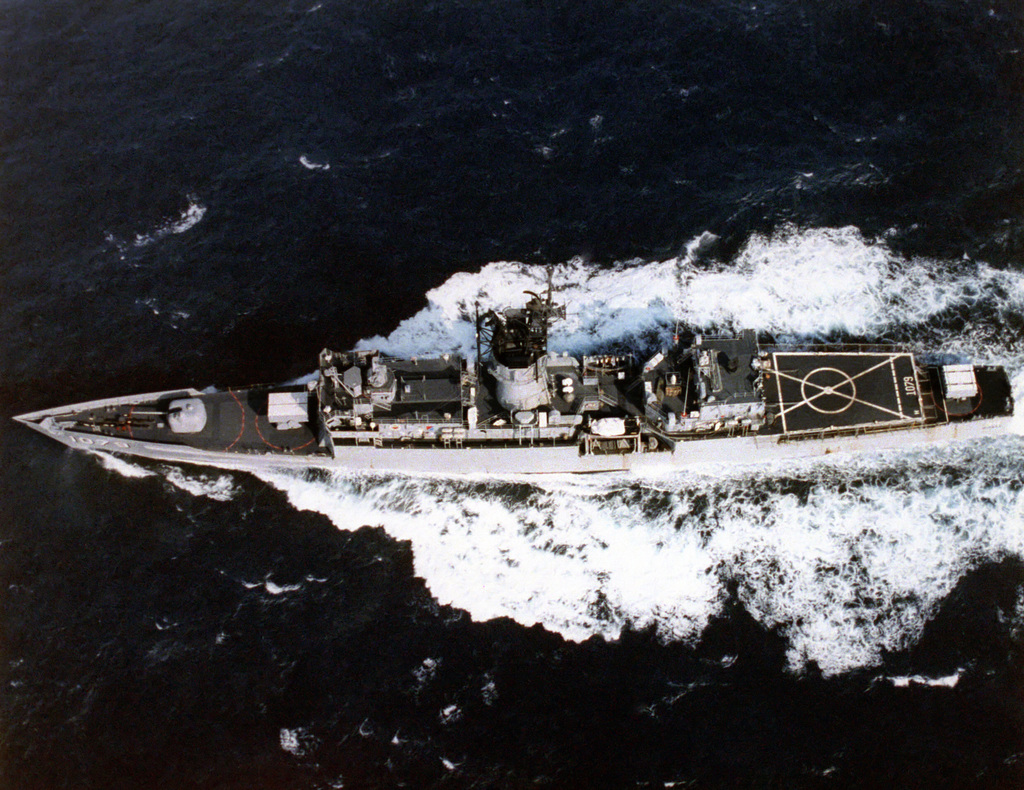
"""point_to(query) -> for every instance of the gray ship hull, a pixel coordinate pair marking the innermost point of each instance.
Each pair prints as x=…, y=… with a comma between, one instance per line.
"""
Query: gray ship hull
x=525, y=459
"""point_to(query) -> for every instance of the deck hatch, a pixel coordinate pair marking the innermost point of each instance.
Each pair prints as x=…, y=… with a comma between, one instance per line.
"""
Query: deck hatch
x=288, y=407
x=959, y=381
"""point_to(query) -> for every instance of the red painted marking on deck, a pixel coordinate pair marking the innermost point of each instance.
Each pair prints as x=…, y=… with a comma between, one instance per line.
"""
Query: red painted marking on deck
x=282, y=449
x=264, y=438
x=242, y=429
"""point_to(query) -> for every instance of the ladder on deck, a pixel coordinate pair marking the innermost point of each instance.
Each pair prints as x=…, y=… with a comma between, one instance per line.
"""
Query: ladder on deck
x=929, y=409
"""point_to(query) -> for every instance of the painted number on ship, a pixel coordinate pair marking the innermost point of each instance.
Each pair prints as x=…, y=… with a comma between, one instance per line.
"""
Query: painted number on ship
x=99, y=442
x=909, y=385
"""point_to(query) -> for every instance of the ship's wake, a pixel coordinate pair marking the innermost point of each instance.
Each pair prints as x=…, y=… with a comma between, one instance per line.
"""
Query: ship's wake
x=847, y=558
x=807, y=285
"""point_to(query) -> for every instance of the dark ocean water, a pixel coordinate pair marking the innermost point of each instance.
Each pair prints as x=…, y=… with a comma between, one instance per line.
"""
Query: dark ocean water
x=200, y=193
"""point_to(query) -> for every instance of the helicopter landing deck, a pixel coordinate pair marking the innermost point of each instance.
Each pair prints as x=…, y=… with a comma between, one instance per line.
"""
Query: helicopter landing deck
x=808, y=391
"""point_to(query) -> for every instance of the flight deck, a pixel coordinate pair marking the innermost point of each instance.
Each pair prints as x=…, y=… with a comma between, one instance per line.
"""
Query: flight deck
x=814, y=391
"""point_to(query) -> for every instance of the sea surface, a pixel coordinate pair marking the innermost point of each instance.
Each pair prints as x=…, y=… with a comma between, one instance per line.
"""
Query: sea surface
x=206, y=193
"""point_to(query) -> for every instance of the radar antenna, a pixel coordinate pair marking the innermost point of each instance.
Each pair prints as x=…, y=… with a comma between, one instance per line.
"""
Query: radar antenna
x=518, y=337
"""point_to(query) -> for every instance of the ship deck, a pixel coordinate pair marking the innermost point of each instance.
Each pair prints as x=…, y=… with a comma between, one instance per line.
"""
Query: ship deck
x=236, y=421
x=814, y=391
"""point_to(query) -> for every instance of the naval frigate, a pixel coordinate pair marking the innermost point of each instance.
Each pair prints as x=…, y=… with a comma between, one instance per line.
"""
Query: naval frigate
x=518, y=408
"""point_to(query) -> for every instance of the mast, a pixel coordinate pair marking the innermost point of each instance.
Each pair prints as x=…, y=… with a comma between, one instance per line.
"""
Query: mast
x=476, y=324
x=517, y=338
x=517, y=342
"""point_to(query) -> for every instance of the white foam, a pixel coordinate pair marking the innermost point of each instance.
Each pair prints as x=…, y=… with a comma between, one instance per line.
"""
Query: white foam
x=298, y=741
x=290, y=741
x=188, y=219
x=847, y=570
x=305, y=379
x=1017, y=617
x=117, y=464
x=426, y=672
x=277, y=589
x=311, y=165
x=219, y=487
x=794, y=283
x=905, y=681
x=489, y=691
